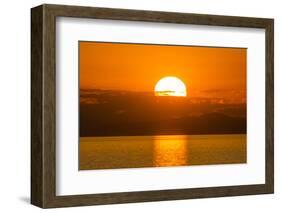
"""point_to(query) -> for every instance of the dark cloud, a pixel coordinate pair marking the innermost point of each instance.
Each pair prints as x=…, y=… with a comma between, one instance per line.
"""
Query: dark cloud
x=106, y=112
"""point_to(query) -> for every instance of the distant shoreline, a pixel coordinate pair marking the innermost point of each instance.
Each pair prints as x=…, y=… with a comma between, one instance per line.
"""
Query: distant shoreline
x=112, y=136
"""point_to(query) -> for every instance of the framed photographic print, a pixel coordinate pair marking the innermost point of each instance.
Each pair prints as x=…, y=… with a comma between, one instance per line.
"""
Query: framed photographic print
x=136, y=106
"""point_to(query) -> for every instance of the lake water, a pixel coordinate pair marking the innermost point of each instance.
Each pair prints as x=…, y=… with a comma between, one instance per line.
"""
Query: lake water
x=159, y=151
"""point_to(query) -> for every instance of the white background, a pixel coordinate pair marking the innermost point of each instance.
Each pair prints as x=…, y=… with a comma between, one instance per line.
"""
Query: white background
x=15, y=105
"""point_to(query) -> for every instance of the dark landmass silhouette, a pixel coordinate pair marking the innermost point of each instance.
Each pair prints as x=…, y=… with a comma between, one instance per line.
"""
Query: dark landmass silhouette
x=126, y=113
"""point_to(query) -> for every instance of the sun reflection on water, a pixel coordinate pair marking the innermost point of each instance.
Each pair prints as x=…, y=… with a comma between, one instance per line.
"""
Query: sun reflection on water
x=170, y=150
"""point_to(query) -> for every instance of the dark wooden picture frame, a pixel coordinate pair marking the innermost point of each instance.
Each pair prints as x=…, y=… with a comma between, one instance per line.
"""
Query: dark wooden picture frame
x=43, y=105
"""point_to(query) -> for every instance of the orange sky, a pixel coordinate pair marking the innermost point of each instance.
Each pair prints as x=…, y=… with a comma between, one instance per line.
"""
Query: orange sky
x=138, y=67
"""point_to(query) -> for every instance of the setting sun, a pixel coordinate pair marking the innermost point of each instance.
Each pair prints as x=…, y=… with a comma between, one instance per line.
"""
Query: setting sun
x=170, y=86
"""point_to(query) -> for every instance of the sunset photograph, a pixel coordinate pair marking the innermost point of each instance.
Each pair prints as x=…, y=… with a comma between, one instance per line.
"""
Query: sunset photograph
x=158, y=105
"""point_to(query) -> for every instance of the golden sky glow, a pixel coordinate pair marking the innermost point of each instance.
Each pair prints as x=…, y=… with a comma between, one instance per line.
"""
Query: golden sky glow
x=138, y=67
